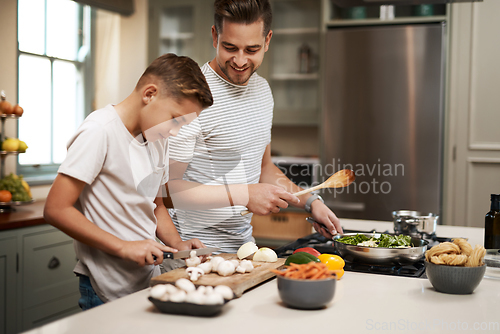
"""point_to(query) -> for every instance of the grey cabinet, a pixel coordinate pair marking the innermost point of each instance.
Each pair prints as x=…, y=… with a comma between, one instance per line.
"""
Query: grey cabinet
x=8, y=284
x=37, y=284
x=182, y=27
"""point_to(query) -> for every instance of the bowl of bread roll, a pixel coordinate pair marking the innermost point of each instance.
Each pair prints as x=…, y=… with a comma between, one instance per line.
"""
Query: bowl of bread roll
x=455, y=267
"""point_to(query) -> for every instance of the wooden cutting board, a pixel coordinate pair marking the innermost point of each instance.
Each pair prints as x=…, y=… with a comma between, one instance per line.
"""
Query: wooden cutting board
x=239, y=283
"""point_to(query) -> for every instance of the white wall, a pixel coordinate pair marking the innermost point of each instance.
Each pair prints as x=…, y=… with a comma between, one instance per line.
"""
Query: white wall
x=121, y=53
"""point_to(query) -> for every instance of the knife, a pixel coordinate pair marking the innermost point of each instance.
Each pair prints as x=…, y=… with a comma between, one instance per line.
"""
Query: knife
x=185, y=253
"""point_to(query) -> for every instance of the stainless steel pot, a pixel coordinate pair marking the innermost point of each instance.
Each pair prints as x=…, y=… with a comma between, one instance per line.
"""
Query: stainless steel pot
x=413, y=223
x=380, y=255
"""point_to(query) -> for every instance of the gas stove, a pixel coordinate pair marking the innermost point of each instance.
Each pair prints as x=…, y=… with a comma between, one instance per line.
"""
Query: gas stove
x=324, y=245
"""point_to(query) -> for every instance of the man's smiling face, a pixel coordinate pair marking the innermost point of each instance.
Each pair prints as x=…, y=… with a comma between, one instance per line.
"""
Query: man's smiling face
x=240, y=50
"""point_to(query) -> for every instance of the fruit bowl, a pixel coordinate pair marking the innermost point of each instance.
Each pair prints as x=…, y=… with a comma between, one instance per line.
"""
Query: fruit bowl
x=8, y=206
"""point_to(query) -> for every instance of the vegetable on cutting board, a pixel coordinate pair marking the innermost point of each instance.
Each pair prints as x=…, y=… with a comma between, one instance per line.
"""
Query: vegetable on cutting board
x=265, y=254
x=309, y=250
x=301, y=258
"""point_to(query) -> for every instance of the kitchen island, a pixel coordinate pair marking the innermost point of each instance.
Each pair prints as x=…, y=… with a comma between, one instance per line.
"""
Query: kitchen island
x=362, y=303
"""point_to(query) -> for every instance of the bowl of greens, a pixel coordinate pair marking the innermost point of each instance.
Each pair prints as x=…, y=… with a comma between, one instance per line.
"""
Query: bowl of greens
x=380, y=248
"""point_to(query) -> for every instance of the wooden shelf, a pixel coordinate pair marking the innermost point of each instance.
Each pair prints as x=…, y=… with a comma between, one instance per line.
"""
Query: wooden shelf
x=397, y=20
x=178, y=36
x=296, y=31
x=294, y=76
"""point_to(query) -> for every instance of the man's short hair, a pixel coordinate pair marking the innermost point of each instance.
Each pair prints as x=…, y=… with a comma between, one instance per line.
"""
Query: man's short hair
x=243, y=11
x=178, y=77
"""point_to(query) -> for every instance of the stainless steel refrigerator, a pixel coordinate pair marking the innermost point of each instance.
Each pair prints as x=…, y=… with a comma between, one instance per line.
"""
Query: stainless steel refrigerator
x=383, y=118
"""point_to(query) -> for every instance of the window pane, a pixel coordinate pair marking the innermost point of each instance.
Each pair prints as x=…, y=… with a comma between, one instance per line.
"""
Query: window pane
x=67, y=84
x=31, y=26
x=62, y=29
x=34, y=97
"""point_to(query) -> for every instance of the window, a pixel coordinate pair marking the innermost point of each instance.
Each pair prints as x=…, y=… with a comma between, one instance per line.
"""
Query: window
x=54, y=76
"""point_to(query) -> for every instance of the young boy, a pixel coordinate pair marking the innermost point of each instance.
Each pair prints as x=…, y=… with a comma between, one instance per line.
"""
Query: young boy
x=106, y=194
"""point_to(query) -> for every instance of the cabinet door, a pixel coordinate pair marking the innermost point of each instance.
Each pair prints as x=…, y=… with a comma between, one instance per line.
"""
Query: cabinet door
x=48, y=262
x=182, y=27
x=8, y=279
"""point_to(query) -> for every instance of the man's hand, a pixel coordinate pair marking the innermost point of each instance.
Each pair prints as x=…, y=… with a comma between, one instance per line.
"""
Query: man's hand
x=322, y=214
x=266, y=198
x=142, y=251
x=191, y=244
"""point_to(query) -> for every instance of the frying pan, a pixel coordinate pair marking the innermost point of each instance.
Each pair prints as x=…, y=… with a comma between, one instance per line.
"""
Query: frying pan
x=380, y=255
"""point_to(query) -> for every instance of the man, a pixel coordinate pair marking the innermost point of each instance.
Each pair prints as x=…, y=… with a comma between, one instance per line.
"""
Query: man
x=230, y=141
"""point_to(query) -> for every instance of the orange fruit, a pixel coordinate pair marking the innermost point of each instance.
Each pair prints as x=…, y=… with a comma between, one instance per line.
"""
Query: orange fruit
x=5, y=196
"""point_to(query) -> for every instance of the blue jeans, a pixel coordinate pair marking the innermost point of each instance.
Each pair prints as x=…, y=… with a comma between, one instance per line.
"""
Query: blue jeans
x=89, y=298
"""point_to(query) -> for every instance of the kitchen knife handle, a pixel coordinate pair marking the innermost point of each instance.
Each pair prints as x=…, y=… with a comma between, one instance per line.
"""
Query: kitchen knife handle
x=166, y=255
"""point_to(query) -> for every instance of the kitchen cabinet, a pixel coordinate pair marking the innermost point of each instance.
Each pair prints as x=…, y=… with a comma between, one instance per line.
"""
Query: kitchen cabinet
x=294, y=62
x=182, y=27
x=37, y=284
x=8, y=283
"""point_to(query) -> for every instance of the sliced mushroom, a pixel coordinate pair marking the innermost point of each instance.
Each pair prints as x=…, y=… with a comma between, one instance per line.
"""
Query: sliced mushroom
x=194, y=273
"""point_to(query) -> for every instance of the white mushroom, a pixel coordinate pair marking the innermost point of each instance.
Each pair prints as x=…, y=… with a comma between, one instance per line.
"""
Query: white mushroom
x=185, y=284
x=196, y=298
x=224, y=291
x=194, y=273
x=245, y=266
x=216, y=260
x=214, y=299
x=158, y=291
x=178, y=297
x=201, y=289
x=235, y=262
x=193, y=260
x=170, y=288
x=206, y=267
x=226, y=268
x=209, y=290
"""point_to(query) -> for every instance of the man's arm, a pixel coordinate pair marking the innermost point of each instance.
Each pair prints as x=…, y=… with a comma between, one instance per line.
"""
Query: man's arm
x=60, y=212
x=263, y=198
x=320, y=212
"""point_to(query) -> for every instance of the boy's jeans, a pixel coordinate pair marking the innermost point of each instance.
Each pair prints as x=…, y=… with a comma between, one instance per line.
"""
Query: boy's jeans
x=89, y=298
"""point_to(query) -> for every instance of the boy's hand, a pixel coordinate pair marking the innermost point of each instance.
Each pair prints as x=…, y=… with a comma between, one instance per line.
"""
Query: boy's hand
x=142, y=251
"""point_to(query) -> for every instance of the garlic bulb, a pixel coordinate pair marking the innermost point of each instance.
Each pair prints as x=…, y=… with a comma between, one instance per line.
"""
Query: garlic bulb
x=226, y=268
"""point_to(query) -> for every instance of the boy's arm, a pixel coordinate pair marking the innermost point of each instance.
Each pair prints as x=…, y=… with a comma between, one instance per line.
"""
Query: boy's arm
x=60, y=212
x=166, y=231
x=320, y=212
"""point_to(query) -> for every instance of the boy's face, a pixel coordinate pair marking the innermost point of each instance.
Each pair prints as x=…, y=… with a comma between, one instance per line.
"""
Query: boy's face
x=164, y=116
x=240, y=50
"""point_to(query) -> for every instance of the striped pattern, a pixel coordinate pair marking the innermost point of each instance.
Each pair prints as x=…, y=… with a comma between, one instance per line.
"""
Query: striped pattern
x=224, y=145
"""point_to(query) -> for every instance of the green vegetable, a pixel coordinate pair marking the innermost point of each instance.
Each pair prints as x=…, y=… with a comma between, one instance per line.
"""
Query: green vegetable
x=385, y=240
x=13, y=183
x=301, y=258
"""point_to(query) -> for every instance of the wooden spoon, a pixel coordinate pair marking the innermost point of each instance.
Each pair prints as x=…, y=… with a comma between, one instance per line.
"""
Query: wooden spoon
x=341, y=179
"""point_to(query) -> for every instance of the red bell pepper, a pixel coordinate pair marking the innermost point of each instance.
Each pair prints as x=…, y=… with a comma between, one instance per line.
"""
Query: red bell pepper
x=309, y=250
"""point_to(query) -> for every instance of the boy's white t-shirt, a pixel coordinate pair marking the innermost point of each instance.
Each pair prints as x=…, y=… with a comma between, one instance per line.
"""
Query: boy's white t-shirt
x=123, y=175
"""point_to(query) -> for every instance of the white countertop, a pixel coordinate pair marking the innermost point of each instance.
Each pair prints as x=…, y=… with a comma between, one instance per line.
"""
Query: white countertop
x=362, y=303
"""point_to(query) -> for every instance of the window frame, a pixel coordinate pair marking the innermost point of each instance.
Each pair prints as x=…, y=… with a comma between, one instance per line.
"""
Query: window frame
x=45, y=174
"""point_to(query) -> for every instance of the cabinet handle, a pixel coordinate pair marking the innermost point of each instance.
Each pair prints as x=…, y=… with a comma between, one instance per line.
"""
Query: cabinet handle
x=54, y=263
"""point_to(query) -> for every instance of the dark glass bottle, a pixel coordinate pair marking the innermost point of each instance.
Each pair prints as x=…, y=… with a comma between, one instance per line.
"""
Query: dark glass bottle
x=492, y=224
